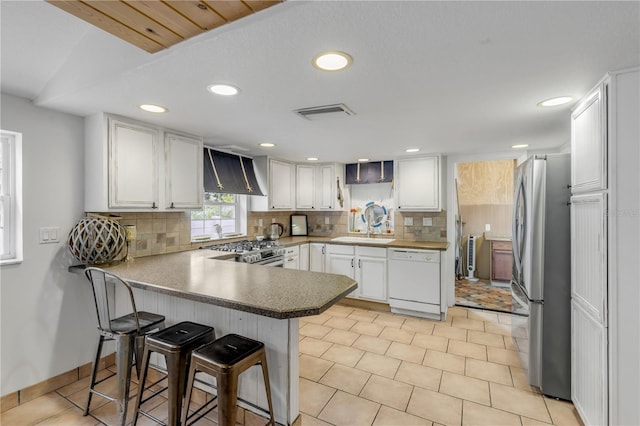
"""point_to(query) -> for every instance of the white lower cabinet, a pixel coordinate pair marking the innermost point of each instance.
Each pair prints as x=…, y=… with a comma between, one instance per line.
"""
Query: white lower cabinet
x=304, y=257
x=366, y=265
x=316, y=257
x=292, y=257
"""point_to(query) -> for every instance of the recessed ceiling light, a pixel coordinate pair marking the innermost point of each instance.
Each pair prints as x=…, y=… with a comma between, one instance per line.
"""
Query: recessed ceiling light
x=312, y=158
x=522, y=145
x=412, y=150
x=555, y=101
x=332, y=61
x=267, y=145
x=223, y=89
x=362, y=160
x=153, y=108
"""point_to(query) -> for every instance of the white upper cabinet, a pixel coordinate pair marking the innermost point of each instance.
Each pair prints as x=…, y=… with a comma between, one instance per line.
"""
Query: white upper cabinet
x=183, y=166
x=281, y=185
x=317, y=186
x=589, y=143
x=417, y=184
x=132, y=166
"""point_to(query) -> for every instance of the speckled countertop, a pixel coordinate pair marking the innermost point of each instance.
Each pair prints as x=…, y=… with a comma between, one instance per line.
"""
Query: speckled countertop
x=203, y=275
x=425, y=245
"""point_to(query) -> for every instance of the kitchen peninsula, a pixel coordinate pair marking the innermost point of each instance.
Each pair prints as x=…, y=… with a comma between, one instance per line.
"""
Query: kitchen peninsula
x=258, y=302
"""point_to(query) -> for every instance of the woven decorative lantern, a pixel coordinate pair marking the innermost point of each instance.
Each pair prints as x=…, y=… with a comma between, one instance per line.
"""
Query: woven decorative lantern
x=96, y=240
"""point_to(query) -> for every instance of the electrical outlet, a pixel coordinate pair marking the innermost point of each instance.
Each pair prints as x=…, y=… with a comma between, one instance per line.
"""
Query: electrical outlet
x=487, y=227
x=260, y=222
x=427, y=221
x=327, y=220
x=408, y=221
x=273, y=220
x=49, y=235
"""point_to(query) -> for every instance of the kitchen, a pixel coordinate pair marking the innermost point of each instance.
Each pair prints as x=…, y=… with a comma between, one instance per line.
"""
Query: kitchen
x=39, y=291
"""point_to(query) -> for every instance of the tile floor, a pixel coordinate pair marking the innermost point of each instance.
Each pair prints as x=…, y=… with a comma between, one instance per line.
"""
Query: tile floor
x=360, y=367
x=481, y=294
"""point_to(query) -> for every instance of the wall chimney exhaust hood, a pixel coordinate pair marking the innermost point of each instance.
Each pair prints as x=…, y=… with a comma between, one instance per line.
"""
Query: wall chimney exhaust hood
x=324, y=112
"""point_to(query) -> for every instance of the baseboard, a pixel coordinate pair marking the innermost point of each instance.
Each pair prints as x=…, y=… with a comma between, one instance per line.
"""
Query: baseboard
x=365, y=304
x=29, y=393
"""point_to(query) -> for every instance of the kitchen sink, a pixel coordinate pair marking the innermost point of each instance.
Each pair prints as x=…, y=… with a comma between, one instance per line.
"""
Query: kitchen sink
x=363, y=240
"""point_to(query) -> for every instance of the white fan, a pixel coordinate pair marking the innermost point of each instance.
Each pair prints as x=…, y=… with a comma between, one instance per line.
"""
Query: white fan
x=471, y=257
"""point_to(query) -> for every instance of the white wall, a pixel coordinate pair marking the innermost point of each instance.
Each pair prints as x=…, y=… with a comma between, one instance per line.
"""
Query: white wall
x=47, y=318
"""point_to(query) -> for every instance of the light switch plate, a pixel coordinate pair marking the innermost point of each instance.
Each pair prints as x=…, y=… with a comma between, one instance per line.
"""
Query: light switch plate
x=49, y=235
x=487, y=227
x=427, y=221
x=408, y=221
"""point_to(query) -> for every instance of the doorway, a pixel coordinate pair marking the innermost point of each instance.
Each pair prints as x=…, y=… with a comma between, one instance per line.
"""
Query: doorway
x=485, y=202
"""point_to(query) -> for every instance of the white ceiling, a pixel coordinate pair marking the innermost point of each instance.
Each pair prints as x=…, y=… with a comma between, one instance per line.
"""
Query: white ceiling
x=449, y=77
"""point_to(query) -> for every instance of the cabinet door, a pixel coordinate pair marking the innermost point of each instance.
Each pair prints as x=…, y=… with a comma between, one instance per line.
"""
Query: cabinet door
x=418, y=184
x=133, y=165
x=372, y=277
x=325, y=187
x=304, y=257
x=589, y=368
x=305, y=186
x=501, y=261
x=588, y=143
x=281, y=185
x=340, y=259
x=589, y=254
x=183, y=171
x=316, y=257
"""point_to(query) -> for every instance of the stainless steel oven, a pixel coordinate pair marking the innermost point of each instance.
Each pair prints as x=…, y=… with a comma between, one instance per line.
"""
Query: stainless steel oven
x=266, y=253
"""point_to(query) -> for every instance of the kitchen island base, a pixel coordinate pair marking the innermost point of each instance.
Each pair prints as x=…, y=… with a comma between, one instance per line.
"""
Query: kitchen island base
x=280, y=337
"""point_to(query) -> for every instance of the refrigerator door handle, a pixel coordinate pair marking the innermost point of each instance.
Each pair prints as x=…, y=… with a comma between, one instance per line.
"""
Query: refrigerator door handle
x=515, y=236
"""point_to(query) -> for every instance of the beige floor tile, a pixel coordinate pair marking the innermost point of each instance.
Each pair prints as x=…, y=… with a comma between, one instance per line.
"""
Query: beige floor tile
x=397, y=335
x=314, y=347
x=510, y=343
x=80, y=384
x=312, y=421
x=419, y=375
x=339, y=311
x=36, y=410
x=343, y=354
x=108, y=387
x=503, y=356
x=521, y=345
x=562, y=412
x=437, y=343
x=444, y=361
x=489, y=371
x=378, y=364
x=504, y=319
x=450, y=332
x=252, y=419
x=469, y=350
x=363, y=315
x=526, y=421
x=504, y=329
x=314, y=330
x=478, y=415
x=367, y=328
x=487, y=316
x=418, y=325
x=345, y=378
x=435, y=406
x=406, y=352
x=372, y=344
x=467, y=323
x=520, y=380
x=318, y=319
x=71, y=416
x=314, y=396
x=108, y=413
x=387, y=392
x=518, y=402
x=483, y=338
x=340, y=323
x=313, y=368
x=342, y=337
x=457, y=311
x=390, y=320
x=464, y=387
x=390, y=417
x=346, y=409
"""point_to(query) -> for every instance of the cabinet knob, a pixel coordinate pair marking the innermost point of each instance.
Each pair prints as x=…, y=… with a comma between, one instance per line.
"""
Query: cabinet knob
x=172, y=206
x=153, y=206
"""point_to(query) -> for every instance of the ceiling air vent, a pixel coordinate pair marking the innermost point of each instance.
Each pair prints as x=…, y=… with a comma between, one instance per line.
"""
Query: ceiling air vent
x=323, y=112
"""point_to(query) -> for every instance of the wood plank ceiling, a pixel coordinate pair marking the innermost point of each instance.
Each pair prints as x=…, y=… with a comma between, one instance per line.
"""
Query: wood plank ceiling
x=153, y=25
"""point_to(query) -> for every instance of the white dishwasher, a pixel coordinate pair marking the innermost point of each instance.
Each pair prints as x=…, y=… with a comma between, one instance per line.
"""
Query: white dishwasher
x=414, y=282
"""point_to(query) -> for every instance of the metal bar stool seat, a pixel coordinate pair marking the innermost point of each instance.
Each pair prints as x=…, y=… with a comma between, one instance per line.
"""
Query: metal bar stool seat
x=128, y=332
x=225, y=359
x=175, y=343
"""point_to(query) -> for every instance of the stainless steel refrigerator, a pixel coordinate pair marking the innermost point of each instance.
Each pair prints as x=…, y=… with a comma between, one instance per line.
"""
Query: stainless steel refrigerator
x=541, y=282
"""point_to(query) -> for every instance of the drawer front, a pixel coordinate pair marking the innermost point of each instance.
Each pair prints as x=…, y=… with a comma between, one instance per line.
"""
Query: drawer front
x=502, y=245
x=371, y=251
x=339, y=249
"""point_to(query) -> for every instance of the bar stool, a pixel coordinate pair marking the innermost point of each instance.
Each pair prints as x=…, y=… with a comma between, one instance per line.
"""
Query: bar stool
x=175, y=343
x=225, y=359
x=128, y=332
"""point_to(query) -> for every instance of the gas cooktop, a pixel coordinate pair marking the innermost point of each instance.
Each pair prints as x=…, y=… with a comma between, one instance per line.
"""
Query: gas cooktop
x=264, y=252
